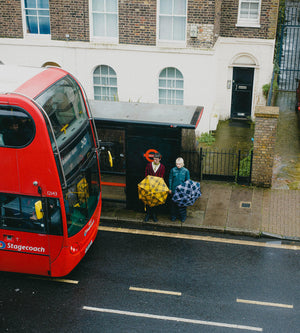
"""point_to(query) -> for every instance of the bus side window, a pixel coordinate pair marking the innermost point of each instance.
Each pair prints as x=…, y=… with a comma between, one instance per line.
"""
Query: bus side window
x=54, y=217
x=34, y=221
x=16, y=128
x=10, y=212
x=18, y=212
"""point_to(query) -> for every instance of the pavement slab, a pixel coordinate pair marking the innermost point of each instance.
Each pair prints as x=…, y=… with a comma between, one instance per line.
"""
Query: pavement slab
x=229, y=208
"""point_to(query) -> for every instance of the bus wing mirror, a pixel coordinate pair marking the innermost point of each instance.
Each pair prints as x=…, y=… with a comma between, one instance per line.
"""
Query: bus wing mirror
x=39, y=209
x=110, y=159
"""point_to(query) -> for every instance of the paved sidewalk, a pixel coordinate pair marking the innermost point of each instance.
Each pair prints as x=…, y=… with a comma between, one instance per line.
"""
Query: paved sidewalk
x=230, y=208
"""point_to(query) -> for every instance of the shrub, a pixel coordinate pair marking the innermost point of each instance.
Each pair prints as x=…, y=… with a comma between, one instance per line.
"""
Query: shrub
x=206, y=138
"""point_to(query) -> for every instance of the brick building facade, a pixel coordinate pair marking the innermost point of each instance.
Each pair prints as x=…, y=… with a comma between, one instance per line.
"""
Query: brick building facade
x=214, y=40
x=138, y=21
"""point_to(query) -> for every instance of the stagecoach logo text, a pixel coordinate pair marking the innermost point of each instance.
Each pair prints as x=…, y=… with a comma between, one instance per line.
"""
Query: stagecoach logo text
x=22, y=248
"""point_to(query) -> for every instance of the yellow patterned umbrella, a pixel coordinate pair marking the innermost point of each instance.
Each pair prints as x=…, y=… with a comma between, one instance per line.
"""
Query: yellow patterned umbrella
x=153, y=191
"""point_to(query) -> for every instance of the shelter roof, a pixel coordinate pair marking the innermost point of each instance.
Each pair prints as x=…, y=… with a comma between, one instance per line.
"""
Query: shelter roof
x=147, y=113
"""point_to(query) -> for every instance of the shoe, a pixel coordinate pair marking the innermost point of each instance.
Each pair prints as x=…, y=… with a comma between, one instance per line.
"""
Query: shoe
x=155, y=219
x=173, y=218
x=147, y=217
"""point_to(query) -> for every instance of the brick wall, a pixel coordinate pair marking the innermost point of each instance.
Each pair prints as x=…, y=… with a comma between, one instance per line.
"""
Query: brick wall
x=266, y=118
x=201, y=13
x=137, y=22
x=218, y=15
x=69, y=17
x=268, y=20
x=11, y=19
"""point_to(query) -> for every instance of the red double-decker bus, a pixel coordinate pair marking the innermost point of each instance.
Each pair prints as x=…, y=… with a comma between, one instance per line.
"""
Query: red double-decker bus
x=50, y=195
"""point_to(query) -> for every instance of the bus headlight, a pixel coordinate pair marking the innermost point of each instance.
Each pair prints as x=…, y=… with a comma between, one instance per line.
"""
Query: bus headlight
x=74, y=248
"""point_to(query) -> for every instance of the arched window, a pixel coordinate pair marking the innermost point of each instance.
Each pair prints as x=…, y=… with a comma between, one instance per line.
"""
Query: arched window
x=105, y=84
x=171, y=86
x=50, y=63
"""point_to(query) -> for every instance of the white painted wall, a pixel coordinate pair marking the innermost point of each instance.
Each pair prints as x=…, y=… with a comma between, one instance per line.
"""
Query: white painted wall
x=205, y=72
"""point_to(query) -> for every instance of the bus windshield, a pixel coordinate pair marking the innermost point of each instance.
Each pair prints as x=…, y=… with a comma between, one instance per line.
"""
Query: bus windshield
x=64, y=105
x=81, y=197
x=77, y=152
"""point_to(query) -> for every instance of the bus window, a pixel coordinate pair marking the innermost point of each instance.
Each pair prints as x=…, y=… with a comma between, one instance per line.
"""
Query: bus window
x=19, y=212
x=77, y=153
x=54, y=217
x=16, y=128
x=81, y=198
x=64, y=105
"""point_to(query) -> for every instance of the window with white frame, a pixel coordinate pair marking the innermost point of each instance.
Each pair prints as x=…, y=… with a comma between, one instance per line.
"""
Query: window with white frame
x=104, y=17
x=37, y=17
x=170, y=88
x=249, y=13
x=105, y=83
x=172, y=20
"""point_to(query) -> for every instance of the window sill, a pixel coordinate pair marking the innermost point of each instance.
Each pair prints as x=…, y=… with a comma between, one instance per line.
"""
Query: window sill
x=103, y=40
x=244, y=24
x=171, y=44
x=36, y=37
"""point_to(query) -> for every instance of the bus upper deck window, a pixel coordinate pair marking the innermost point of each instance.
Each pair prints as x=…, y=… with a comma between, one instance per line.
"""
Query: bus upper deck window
x=64, y=105
x=16, y=128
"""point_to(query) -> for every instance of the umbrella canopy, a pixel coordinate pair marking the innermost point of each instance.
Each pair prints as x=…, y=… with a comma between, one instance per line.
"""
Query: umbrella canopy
x=187, y=193
x=153, y=191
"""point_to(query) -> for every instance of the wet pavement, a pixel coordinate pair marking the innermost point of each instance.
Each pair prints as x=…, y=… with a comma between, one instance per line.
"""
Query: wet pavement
x=286, y=169
x=232, y=134
x=231, y=208
x=227, y=208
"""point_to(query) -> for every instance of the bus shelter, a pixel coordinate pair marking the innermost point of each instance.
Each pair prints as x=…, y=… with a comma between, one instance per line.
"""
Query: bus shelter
x=129, y=134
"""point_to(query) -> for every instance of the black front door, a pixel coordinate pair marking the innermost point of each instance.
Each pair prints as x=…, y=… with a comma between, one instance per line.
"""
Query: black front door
x=242, y=87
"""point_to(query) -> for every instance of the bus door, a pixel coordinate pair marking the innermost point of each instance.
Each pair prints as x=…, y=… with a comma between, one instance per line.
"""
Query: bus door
x=24, y=245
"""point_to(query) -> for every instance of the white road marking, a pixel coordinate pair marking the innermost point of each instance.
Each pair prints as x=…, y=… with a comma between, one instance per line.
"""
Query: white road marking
x=157, y=291
x=279, y=305
x=200, y=238
x=55, y=280
x=177, y=319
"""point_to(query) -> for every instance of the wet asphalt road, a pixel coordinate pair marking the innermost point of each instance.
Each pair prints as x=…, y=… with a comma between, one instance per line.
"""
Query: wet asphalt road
x=196, y=285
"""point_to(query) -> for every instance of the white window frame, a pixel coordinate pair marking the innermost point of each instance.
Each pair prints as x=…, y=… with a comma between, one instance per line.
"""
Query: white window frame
x=102, y=39
x=29, y=35
x=107, y=85
x=173, y=88
x=170, y=42
x=248, y=22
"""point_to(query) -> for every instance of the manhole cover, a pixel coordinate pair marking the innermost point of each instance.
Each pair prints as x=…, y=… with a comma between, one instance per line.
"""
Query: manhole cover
x=245, y=204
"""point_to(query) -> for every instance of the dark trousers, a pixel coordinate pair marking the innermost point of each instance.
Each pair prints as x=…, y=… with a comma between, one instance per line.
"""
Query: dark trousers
x=177, y=211
x=151, y=211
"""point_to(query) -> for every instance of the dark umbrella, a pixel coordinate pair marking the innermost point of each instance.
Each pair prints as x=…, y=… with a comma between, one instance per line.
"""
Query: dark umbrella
x=187, y=193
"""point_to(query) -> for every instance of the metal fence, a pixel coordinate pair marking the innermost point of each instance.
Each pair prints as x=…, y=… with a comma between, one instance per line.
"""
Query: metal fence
x=229, y=165
x=289, y=55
